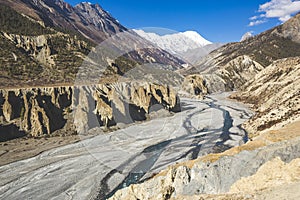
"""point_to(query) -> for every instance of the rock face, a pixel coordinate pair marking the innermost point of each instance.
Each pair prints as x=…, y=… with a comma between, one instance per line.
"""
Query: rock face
x=195, y=85
x=42, y=49
x=233, y=74
x=43, y=111
x=273, y=173
x=274, y=93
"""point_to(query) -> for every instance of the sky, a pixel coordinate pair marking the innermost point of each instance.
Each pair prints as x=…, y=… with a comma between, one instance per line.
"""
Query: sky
x=217, y=21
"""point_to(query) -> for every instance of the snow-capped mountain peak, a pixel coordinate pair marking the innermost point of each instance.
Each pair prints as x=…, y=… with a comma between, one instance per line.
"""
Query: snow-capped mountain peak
x=175, y=43
x=193, y=35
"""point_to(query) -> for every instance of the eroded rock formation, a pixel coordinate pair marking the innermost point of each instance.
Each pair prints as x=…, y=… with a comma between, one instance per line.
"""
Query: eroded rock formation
x=43, y=111
x=195, y=85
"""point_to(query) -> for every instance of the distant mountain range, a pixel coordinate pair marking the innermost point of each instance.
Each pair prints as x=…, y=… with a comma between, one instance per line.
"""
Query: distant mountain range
x=188, y=45
x=176, y=43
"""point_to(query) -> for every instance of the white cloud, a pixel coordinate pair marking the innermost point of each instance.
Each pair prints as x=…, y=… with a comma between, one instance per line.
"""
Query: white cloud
x=262, y=15
x=280, y=9
x=257, y=22
x=253, y=18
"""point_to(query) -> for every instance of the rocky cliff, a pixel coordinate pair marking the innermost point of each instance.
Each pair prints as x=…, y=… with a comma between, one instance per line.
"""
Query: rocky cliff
x=195, y=85
x=36, y=60
x=233, y=74
x=75, y=109
x=275, y=95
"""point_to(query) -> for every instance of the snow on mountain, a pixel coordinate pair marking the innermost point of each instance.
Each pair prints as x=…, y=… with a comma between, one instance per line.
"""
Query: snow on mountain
x=246, y=36
x=176, y=43
x=193, y=35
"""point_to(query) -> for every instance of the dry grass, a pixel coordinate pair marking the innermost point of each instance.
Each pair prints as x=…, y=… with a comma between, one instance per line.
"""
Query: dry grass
x=286, y=133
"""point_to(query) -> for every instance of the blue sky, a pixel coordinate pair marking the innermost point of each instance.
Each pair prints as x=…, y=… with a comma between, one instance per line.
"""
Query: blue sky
x=217, y=21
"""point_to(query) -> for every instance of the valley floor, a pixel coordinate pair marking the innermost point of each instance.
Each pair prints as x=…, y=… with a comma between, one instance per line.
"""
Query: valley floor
x=95, y=168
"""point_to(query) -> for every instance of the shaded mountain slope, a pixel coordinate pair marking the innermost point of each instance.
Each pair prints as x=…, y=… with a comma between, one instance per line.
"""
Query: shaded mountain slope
x=87, y=19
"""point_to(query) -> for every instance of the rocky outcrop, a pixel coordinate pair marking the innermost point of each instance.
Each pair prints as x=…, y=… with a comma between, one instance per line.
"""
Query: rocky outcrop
x=36, y=111
x=291, y=29
x=41, y=47
x=273, y=173
x=195, y=85
x=274, y=94
x=232, y=75
x=69, y=109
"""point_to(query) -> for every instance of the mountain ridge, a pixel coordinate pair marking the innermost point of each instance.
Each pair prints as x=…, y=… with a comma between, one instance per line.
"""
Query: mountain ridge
x=190, y=46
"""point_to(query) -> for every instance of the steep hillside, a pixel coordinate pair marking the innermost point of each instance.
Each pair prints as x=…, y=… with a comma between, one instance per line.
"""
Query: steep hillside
x=34, y=54
x=275, y=95
x=87, y=19
x=277, y=43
